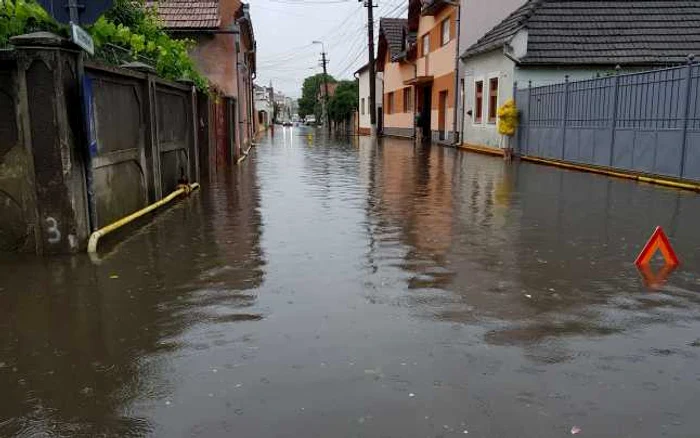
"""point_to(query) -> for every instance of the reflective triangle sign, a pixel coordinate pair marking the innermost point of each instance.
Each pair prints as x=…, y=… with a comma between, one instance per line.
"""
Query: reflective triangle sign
x=657, y=242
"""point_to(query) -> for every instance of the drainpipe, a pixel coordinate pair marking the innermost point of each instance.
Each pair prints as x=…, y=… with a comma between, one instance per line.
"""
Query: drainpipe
x=238, y=91
x=455, y=135
x=415, y=100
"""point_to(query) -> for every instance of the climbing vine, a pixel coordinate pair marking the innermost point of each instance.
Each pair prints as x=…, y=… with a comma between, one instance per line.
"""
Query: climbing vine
x=127, y=32
x=18, y=17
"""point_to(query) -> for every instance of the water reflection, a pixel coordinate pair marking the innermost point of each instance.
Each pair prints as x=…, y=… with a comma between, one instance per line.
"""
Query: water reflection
x=83, y=343
x=546, y=252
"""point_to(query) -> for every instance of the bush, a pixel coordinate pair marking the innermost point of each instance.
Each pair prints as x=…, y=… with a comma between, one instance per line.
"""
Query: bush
x=18, y=17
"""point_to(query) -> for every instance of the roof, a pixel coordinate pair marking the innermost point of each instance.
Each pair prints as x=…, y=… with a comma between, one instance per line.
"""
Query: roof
x=187, y=14
x=600, y=32
x=394, y=31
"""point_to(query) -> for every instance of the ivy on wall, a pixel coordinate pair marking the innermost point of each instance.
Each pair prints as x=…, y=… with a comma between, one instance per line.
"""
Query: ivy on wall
x=128, y=26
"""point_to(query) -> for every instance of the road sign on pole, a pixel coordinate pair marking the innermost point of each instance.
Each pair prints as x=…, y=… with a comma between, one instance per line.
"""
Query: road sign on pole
x=82, y=38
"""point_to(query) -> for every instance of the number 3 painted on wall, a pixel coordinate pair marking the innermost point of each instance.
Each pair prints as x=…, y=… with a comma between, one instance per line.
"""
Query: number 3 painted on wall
x=54, y=235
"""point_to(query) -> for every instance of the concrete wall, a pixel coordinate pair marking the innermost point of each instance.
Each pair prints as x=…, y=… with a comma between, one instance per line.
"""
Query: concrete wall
x=68, y=167
x=17, y=204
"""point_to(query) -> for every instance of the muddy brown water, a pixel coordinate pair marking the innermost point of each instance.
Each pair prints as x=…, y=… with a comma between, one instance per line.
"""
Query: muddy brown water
x=337, y=288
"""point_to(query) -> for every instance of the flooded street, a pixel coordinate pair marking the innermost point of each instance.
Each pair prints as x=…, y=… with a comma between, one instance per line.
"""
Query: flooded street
x=344, y=289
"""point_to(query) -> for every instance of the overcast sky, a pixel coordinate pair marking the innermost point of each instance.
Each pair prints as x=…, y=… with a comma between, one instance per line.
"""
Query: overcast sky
x=285, y=29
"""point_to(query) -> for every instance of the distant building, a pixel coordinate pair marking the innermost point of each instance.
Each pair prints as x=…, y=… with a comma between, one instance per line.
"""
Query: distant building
x=264, y=106
x=364, y=122
x=224, y=52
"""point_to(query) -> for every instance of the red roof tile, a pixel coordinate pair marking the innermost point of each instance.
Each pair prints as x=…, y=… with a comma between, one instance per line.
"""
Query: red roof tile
x=187, y=14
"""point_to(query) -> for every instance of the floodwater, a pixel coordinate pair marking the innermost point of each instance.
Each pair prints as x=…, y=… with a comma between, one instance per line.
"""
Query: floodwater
x=336, y=288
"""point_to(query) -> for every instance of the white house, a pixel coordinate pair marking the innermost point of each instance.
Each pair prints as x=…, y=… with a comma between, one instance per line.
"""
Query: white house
x=264, y=106
x=544, y=41
x=362, y=75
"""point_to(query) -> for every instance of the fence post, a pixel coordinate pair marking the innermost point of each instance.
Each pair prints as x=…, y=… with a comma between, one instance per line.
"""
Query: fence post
x=688, y=80
x=529, y=115
x=616, y=92
x=566, y=113
x=515, y=101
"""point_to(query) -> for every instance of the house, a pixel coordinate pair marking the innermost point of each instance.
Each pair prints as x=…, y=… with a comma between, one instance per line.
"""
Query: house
x=418, y=57
x=545, y=41
x=396, y=113
x=224, y=52
x=475, y=21
x=435, y=22
x=364, y=120
x=264, y=107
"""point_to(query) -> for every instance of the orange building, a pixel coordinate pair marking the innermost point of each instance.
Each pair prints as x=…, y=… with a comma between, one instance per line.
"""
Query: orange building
x=418, y=56
x=435, y=22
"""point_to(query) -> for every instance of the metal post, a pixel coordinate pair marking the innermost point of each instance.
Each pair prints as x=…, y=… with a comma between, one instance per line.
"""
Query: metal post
x=565, y=115
x=73, y=10
x=515, y=101
x=688, y=80
x=529, y=115
x=616, y=94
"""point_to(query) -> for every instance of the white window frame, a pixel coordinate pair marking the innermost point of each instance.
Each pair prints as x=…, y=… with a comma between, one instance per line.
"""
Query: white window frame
x=473, y=117
x=444, y=26
x=425, y=44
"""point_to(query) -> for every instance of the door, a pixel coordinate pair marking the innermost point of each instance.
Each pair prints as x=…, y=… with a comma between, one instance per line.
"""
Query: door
x=380, y=120
x=442, y=115
x=426, y=111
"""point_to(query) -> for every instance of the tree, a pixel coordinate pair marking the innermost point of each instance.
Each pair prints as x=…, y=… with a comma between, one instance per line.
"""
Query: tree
x=310, y=102
x=344, y=102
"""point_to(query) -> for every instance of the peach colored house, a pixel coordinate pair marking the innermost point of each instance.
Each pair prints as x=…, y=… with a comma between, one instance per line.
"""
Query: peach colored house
x=435, y=24
x=418, y=57
x=396, y=116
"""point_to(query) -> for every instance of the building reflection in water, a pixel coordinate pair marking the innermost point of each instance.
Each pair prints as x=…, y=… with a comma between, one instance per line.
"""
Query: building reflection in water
x=540, y=252
x=83, y=342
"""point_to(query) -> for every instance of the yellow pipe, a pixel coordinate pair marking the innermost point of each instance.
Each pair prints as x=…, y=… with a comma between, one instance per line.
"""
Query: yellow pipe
x=640, y=178
x=97, y=235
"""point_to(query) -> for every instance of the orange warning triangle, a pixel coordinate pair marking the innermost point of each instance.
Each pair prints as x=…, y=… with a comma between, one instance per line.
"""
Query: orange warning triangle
x=657, y=242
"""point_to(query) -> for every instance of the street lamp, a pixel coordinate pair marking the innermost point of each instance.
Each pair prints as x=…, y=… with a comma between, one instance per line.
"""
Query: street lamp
x=325, y=82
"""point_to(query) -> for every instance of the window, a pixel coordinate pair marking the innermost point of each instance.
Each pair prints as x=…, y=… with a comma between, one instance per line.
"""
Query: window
x=362, y=106
x=426, y=44
x=478, y=101
x=390, y=103
x=493, y=99
x=445, y=32
x=407, y=100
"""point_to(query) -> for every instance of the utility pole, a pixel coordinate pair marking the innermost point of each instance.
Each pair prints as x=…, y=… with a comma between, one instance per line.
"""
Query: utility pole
x=325, y=85
x=369, y=4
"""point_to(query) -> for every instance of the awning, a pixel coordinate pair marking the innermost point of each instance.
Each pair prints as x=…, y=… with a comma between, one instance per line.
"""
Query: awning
x=419, y=80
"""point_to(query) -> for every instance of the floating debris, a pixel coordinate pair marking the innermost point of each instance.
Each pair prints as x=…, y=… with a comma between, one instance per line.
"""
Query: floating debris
x=411, y=394
x=528, y=296
x=575, y=430
x=114, y=276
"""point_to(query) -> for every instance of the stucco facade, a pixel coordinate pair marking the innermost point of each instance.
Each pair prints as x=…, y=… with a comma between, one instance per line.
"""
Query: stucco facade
x=364, y=118
x=435, y=70
x=398, y=118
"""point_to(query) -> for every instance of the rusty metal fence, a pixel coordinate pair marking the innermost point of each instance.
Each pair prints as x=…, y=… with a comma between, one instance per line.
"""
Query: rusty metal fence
x=646, y=122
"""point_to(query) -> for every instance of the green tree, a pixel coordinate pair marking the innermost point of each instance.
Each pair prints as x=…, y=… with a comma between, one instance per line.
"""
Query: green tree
x=309, y=102
x=344, y=102
x=25, y=16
